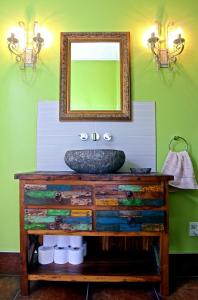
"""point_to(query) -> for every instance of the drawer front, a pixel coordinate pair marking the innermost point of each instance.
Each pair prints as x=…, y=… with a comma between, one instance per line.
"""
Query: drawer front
x=53, y=219
x=127, y=220
x=129, y=195
x=47, y=194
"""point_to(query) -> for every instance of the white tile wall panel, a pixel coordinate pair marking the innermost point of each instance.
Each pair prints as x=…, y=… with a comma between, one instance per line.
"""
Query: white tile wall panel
x=137, y=138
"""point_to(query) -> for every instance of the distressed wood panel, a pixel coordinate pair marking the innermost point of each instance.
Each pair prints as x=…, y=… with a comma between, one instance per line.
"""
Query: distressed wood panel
x=58, y=219
x=141, y=202
x=58, y=212
x=81, y=212
x=130, y=202
x=140, y=223
x=140, y=188
x=129, y=195
x=130, y=220
x=107, y=202
x=57, y=194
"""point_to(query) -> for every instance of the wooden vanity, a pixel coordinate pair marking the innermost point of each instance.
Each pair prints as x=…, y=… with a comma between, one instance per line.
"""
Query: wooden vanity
x=123, y=217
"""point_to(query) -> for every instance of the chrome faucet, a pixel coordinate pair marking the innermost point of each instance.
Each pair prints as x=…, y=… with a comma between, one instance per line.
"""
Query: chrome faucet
x=95, y=136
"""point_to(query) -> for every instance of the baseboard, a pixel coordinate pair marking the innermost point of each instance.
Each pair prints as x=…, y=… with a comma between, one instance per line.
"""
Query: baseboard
x=183, y=267
x=184, y=264
x=9, y=263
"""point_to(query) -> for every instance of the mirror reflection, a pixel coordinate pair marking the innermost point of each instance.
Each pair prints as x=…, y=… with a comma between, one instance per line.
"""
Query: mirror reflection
x=95, y=75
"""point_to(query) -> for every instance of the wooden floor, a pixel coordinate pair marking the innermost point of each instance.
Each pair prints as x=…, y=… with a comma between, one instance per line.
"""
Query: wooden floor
x=9, y=290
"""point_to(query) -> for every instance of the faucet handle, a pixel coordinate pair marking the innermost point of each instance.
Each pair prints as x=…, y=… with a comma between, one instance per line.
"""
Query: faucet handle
x=83, y=136
x=107, y=136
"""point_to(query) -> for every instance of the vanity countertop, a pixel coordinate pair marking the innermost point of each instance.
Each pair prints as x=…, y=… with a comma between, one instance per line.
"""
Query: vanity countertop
x=61, y=175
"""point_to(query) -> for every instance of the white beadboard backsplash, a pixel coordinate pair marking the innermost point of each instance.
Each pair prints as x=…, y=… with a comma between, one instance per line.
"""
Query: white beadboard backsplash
x=137, y=138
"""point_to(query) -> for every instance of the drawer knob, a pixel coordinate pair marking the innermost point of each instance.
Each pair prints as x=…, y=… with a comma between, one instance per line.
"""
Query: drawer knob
x=58, y=197
x=129, y=194
x=131, y=220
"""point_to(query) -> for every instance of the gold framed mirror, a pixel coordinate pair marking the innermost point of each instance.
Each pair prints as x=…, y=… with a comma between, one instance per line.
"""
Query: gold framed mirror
x=95, y=76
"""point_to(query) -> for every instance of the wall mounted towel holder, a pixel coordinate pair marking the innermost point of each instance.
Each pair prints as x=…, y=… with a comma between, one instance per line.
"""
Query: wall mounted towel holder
x=177, y=138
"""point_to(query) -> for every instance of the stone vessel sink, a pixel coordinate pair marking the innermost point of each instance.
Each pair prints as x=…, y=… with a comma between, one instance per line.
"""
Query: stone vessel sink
x=95, y=161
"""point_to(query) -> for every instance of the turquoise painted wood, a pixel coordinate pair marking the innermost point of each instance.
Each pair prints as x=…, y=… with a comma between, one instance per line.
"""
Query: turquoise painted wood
x=130, y=227
x=140, y=202
x=131, y=188
x=109, y=227
x=130, y=220
x=40, y=219
x=108, y=213
x=77, y=220
x=129, y=213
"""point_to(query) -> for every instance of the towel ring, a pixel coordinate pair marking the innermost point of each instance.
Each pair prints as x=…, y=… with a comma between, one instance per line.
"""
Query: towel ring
x=176, y=138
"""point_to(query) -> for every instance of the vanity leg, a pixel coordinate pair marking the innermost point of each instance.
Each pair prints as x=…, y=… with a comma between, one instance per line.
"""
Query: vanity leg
x=164, y=264
x=24, y=285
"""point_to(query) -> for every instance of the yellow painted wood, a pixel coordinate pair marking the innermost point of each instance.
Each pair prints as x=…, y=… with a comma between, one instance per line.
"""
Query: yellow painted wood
x=81, y=212
x=152, y=188
x=110, y=202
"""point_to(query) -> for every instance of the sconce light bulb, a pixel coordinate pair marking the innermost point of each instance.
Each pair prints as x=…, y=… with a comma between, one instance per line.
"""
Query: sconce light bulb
x=153, y=39
x=38, y=39
x=179, y=40
x=12, y=39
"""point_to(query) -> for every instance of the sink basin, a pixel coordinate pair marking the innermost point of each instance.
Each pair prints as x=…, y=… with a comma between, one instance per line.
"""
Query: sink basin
x=95, y=161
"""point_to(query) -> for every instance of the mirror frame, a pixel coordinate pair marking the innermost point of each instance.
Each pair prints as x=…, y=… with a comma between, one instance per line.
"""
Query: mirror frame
x=65, y=114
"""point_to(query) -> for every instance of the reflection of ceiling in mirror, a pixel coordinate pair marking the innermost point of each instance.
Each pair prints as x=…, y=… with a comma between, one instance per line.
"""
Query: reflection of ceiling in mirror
x=95, y=51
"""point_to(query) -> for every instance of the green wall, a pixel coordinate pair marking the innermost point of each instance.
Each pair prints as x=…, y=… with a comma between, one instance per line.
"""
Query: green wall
x=175, y=93
x=95, y=85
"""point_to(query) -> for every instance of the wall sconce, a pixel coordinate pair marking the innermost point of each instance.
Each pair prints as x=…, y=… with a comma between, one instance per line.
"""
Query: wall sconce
x=25, y=45
x=166, y=48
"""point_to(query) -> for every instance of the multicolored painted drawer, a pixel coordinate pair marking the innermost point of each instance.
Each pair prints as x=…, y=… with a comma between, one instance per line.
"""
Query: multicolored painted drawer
x=46, y=194
x=128, y=220
x=62, y=219
x=129, y=195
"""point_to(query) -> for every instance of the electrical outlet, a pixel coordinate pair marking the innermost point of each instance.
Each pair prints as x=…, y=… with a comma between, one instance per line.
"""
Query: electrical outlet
x=193, y=228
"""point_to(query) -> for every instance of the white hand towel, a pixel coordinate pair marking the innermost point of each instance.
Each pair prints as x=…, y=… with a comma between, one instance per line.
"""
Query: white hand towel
x=180, y=166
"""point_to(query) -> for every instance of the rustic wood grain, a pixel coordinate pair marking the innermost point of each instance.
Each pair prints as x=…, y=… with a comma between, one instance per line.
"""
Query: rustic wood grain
x=44, y=176
x=57, y=194
x=57, y=219
x=121, y=204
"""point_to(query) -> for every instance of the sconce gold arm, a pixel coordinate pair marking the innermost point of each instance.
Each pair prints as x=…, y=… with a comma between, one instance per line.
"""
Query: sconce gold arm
x=178, y=48
x=153, y=42
x=13, y=45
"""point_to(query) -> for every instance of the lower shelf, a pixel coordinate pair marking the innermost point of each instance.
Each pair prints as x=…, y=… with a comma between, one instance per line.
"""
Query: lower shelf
x=133, y=267
x=94, y=278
